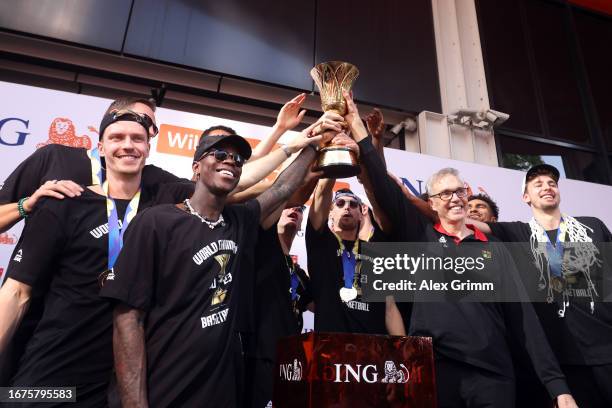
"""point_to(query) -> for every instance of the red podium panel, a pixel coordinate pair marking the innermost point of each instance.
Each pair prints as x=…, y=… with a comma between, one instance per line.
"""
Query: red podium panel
x=354, y=370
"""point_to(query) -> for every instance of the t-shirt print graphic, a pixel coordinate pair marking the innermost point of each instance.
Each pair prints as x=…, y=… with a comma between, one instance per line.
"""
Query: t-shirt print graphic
x=222, y=280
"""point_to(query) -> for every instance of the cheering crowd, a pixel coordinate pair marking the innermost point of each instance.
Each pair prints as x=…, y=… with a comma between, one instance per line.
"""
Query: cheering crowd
x=143, y=289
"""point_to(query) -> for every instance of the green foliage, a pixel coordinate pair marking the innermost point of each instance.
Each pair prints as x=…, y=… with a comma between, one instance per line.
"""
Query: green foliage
x=521, y=161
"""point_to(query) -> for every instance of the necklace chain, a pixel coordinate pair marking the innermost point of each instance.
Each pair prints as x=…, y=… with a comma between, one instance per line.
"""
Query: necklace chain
x=211, y=224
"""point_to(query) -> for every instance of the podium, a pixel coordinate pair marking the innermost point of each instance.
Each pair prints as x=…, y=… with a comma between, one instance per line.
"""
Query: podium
x=354, y=370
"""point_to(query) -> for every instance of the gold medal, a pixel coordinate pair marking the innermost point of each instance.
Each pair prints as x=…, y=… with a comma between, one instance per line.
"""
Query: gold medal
x=558, y=284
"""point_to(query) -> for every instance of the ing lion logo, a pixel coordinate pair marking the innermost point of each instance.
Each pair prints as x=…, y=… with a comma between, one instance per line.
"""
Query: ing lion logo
x=297, y=370
x=63, y=132
x=7, y=239
x=393, y=375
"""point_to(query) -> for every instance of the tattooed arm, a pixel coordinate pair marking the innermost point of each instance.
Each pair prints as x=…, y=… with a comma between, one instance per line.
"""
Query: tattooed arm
x=130, y=356
x=288, y=181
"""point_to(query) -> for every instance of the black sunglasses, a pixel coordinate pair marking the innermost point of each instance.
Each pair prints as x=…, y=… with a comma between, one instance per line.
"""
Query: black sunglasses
x=341, y=202
x=222, y=155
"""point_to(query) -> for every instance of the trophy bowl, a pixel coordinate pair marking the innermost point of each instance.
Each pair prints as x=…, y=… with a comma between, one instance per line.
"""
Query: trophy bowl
x=332, y=79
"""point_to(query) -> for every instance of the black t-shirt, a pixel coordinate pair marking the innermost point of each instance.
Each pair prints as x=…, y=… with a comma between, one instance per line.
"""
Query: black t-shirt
x=58, y=162
x=189, y=280
x=276, y=315
x=474, y=333
x=327, y=278
x=581, y=337
x=61, y=253
x=66, y=243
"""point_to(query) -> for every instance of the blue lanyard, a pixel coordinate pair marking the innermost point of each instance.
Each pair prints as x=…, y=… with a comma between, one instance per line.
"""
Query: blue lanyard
x=294, y=285
x=97, y=177
x=293, y=277
x=349, y=262
x=115, y=237
x=555, y=254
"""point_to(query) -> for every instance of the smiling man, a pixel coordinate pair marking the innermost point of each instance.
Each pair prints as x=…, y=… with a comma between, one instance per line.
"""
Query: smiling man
x=472, y=356
x=59, y=171
x=67, y=247
x=577, y=322
x=482, y=208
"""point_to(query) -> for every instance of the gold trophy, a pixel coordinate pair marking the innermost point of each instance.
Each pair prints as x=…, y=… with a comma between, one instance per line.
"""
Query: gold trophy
x=221, y=292
x=332, y=78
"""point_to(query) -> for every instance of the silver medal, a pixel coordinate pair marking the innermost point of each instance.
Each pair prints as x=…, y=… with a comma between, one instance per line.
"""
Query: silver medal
x=348, y=294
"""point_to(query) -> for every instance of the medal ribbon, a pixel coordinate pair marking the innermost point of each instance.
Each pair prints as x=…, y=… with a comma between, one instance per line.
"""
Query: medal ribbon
x=555, y=253
x=349, y=262
x=293, y=276
x=96, y=167
x=115, y=237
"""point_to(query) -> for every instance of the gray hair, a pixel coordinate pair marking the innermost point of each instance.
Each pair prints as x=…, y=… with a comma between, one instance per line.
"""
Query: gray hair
x=434, y=178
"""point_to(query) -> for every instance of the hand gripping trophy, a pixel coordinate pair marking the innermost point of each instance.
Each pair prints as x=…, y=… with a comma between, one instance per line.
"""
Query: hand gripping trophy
x=332, y=78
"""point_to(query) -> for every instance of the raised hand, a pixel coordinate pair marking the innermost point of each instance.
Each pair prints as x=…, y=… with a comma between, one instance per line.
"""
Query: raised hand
x=355, y=124
x=311, y=136
x=328, y=125
x=375, y=123
x=328, y=122
x=302, y=140
x=290, y=114
x=341, y=139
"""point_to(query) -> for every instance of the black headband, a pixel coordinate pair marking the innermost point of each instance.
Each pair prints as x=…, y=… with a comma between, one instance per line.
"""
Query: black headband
x=125, y=116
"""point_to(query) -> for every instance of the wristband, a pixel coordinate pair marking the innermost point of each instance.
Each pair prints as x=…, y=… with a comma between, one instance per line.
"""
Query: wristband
x=22, y=211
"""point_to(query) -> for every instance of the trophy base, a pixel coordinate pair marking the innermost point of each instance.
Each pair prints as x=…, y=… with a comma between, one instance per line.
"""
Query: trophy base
x=337, y=163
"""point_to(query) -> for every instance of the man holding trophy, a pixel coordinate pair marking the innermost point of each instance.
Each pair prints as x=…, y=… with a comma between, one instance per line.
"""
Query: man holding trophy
x=332, y=241
x=472, y=360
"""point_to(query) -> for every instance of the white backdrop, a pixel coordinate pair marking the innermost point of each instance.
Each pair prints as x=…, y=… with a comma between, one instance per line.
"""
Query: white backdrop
x=28, y=113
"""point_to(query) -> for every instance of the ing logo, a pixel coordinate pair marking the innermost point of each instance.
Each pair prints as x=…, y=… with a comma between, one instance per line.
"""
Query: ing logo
x=291, y=372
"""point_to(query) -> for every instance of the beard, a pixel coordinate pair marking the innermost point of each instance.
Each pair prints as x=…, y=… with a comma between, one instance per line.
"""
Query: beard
x=347, y=224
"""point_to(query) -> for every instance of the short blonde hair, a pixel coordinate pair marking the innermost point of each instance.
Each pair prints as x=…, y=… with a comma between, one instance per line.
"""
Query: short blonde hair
x=434, y=178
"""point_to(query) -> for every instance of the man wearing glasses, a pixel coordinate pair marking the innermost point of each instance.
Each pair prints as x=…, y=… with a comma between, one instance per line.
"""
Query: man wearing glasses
x=67, y=247
x=334, y=264
x=472, y=357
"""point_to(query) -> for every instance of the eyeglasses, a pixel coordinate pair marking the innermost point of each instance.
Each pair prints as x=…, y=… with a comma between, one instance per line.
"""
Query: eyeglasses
x=341, y=202
x=142, y=118
x=222, y=155
x=447, y=195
